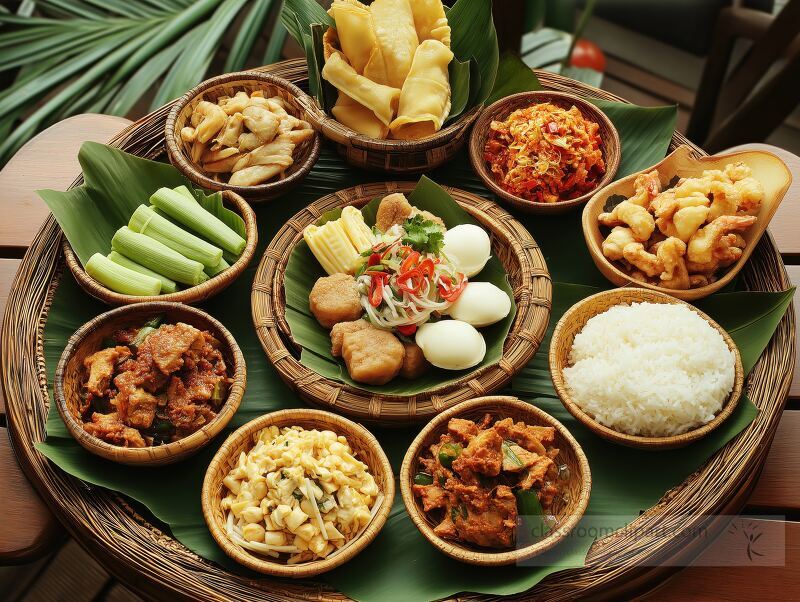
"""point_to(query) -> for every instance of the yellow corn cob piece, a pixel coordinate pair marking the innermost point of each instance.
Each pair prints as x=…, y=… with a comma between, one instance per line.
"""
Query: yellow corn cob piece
x=331, y=247
x=357, y=231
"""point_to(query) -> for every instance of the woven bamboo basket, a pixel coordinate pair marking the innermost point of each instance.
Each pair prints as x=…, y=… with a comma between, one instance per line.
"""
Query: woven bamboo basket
x=305, y=154
x=767, y=168
x=621, y=565
x=504, y=107
x=568, y=511
x=70, y=374
x=573, y=321
x=193, y=294
x=511, y=244
x=362, y=442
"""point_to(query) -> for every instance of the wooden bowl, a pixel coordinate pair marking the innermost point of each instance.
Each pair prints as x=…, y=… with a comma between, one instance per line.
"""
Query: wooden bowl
x=504, y=107
x=569, y=513
x=305, y=154
x=88, y=339
x=392, y=156
x=573, y=321
x=767, y=168
x=366, y=448
x=511, y=243
x=193, y=294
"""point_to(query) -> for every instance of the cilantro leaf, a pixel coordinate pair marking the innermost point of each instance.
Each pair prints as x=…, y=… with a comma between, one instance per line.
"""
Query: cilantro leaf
x=423, y=235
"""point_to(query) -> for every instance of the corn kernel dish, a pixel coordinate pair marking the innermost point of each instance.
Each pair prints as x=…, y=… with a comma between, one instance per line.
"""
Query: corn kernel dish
x=298, y=495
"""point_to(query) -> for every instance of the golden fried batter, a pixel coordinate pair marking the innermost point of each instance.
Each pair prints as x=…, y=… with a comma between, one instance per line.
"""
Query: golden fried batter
x=170, y=342
x=394, y=209
x=636, y=217
x=702, y=244
x=101, y=366
x=335, y=299
x=342, y=328
x=372, y=356
x=616, y=241
x=109, y=428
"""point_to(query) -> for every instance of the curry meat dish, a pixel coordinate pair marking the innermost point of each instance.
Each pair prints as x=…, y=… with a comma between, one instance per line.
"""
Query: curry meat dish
x=473, y=477
x=153, y=385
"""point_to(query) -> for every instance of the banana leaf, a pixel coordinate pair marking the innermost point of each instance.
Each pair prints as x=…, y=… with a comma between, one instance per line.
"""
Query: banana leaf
x=303, y=270
x=400, y=564
x=115, y=184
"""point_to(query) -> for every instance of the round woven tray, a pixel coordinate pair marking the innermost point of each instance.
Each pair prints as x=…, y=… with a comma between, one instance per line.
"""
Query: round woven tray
x=149, y=560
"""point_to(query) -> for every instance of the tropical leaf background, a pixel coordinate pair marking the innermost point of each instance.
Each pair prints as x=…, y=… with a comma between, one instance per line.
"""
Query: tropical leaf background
x=120, y=57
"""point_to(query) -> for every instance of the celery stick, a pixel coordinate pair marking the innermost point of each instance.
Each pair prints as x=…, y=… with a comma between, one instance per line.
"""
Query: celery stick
x=157, y=256
x=185, y=192
x=220, y=267
x=146, y=221
x=167, y=285
x=193, y=216
x=121, y=279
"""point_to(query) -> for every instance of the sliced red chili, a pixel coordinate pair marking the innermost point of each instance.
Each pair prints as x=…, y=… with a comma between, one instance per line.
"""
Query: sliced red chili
x=374, y=259
x=409, y=262
x=407, y=330
x=450, y=291
x=376, y=288
x=410, y=282
x=426, y=267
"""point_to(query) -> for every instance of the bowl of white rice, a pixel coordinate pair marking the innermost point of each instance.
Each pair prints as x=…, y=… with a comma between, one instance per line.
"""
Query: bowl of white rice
x=644, y=369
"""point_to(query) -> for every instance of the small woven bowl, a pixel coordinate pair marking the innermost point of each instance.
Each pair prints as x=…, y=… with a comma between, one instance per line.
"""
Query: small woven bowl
x=767, y=168
x=193, y=294
x=573, y=321
x=305, y=154
x=392, y=156
x=569, y=514
x=88, y=339
x=504, y=107
x=366, y=448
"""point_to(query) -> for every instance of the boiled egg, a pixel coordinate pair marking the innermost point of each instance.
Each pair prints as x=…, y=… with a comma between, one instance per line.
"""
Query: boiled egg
x=451, y=344
x=480, y=304
x=468, y=247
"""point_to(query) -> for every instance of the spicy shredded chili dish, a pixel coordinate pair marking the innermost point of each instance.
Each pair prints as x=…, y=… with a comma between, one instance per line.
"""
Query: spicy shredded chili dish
x=544, y=153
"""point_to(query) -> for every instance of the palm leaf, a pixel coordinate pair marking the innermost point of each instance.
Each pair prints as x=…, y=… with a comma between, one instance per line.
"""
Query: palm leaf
x=105, y=55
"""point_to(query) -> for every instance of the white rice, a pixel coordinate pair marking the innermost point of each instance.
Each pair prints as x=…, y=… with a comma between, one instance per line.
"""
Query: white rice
x=650, y=369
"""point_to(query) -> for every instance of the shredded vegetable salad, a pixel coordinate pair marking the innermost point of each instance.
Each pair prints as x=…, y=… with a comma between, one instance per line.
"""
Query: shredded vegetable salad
x=545, y=153
x=401, y=286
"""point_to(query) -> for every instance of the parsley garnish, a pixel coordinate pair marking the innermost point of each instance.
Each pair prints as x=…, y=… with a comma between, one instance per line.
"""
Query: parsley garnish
x=423, y=235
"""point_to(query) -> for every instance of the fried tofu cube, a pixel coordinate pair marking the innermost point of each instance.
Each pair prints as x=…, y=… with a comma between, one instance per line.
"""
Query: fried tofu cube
x=372, y=356
x=335, y=299
x=342, y=328
x=414, y=362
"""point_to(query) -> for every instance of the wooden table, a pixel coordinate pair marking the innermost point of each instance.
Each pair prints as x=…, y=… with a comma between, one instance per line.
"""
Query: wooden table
x=777, y=491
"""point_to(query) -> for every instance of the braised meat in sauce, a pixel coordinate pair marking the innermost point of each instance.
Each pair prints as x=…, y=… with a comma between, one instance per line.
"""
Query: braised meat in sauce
x=153, y=385
x=480, y=477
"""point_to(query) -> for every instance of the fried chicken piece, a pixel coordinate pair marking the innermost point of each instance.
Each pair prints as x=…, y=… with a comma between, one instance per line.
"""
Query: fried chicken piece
x=636, y=217
x=702, y=244
x=447, y=528
x=684, y=223
x=635, y=254
x=462, y=429
x=187, y=417
x=483, y=454
x=667, y=204
x=394, y=209
x=725, y=200
x=432, y=496
x=520, y=460
x=737, y=171
x=675, y=274
x=698, y=280
x=342, y=328
x=169, y=343
x=532, y=438
x=137, y=409
x=372, y=356
x=538, y=472
x=335, y=299
x=751, y=193
x=491, y=524
x=616, y=241
x=727, y=251
x=109, y=428
x=414, y=362
x=646, y=187
x=101, y=367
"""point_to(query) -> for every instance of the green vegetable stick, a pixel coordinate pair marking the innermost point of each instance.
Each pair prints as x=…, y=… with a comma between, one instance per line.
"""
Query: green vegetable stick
x=185, y=192
x=167, y=285
x=158, y=257
x=121, y=279
x=146, y=221
x=193, y=216
x=220, y=267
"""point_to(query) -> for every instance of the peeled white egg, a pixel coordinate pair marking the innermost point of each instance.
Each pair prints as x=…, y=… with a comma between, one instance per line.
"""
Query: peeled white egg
x=451, y=344
x=480, y=304
x=468, y=247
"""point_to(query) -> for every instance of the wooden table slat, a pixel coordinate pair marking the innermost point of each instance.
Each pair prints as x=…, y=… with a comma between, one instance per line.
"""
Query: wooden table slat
x=778, y=487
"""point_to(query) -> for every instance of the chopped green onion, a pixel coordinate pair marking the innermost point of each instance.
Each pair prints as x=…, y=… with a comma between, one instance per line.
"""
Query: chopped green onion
x=146, y=221
x=220, y=267
x=158, y=257
x=423, y=478
x=192, y=215
x=121, y=279
x=167, y=285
